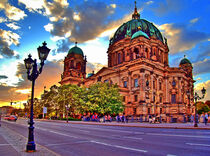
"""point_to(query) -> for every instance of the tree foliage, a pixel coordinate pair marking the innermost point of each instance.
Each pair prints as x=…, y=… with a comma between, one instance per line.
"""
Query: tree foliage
x=101, y=98
x=104, y=98
x=202, y=107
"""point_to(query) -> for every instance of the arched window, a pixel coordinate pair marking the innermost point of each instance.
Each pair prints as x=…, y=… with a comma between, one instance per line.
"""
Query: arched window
x=72, y=64
x=119, y=58
x=173, y=98
x=136, y=51
x=160, y=86
x=123, y=56
x=131, y=56
x=78, y=66
x=173, y=83
x=136, y=83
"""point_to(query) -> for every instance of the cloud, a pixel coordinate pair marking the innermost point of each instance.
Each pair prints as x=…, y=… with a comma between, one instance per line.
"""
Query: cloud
x=3, y=77
x=8, y=38
x=63, y=46
x=12, y=12
x=166, y=6
x=199, y=87
x=194, y=20
x=2, y=20
x=149, y=2
x=13, y=26
x=181, y=38
x=50, y=75
x=204, y=51
x=93, y=67
x=33, y=5
x=84, y=23
x=201, y=67
x=49, y=27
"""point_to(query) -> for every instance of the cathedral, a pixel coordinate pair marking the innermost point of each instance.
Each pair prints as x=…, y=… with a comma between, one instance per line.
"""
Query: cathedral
x=138, y=64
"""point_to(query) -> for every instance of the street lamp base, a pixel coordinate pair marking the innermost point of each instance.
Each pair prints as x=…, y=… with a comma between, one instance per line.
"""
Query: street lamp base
x=195, y=125
x=31, y=147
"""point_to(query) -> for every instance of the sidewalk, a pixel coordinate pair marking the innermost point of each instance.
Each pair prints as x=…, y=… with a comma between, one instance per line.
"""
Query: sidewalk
x=5, y=147
x=138, y=124
x=14, y=144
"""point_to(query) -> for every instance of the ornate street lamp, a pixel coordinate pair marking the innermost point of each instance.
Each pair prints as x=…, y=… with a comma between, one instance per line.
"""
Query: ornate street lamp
x=197, y=97
x=33, y=73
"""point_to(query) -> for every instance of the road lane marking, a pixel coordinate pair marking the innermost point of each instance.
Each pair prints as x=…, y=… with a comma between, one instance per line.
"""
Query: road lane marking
x=112, y=130
x=5, y=145
x=117, y=146
x=84, y=131
x=78, y=142
x=133, y=138
x=178, y=135
x=170, y=155
x=63, y=134
x=192, y=144
x=57, y=133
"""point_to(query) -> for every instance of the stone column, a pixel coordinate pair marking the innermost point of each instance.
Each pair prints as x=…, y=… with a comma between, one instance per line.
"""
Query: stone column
x=142, y=85
x=179, y=90
x=166, y=90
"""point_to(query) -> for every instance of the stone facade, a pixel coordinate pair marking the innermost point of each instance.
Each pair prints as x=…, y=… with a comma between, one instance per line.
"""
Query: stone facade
x=138, y=63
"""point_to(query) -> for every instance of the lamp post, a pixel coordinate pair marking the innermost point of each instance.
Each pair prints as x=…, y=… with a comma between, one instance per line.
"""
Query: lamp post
x=67, y=113
x=197, y=97
x=32, y=74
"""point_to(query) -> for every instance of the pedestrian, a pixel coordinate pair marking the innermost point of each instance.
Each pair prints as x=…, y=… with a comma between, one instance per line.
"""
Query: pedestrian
x=150, y=119
x=206, y=118
x=123, y=118
x=192, y=118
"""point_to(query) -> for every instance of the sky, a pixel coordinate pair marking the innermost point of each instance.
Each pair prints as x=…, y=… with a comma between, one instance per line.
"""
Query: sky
x=25, y=25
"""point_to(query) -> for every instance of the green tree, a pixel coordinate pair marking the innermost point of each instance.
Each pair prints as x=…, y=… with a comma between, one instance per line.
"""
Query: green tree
x=202, y=107
x=70, y=98
x=104, y=98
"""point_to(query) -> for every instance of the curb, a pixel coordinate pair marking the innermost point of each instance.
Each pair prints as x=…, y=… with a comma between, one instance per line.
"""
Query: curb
x=121, y=125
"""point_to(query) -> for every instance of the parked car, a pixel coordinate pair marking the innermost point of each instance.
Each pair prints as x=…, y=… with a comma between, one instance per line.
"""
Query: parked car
x=12, y=118
x=6, y=117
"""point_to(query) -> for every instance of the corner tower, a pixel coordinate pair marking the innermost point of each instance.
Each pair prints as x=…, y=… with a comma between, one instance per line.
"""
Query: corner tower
x=74, y=66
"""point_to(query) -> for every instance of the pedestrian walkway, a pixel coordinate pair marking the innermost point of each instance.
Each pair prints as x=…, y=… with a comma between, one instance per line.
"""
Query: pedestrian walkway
x=138, y=124
x=14, y=144
x=5, y=147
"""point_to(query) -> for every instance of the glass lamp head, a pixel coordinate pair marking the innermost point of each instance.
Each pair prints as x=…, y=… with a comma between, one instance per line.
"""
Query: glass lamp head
x=203, y=91
x=29, y=62
x=43, y=52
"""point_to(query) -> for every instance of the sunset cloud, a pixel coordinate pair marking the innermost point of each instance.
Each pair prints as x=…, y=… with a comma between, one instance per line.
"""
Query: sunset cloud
x=51, y=75
x=11, y=12
x=85, y=24
x=33, y=5
x=181, y=38
x=7, y=38
x=201, y=67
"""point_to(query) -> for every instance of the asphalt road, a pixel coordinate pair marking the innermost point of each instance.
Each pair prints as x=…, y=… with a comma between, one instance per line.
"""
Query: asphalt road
x=96, y=140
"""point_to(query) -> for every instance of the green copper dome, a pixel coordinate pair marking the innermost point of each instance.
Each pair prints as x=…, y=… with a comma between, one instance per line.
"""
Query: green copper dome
x=184, y=61
x=139, y=33
x=76, y=50
x=131, y=27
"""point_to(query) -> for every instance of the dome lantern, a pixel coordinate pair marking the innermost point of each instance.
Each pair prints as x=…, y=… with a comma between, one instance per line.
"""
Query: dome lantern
x=135, y=14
